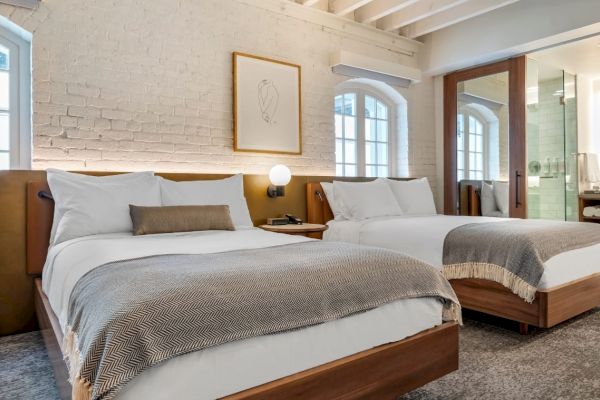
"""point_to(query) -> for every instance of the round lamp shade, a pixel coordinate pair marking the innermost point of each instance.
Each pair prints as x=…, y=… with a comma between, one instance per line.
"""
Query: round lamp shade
x=280, y=175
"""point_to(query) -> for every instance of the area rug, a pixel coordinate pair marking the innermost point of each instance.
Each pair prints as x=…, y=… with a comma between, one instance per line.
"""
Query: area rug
x=495, y=363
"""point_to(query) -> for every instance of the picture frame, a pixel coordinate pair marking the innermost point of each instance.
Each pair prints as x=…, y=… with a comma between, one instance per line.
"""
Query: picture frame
x=267, y=105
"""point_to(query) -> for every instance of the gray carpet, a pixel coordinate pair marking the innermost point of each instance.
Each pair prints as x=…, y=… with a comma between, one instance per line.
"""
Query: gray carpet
x=495, y=363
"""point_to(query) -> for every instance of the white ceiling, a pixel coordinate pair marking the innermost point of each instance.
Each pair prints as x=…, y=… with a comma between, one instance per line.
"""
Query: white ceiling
x=410, y=18
x=581, y=57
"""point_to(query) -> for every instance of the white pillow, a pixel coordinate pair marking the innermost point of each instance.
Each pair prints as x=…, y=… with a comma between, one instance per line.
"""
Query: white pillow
x=414, y=196
x=335, y=207
x=92, y=205
x=228, y=191
x=58, y=212
x=501, y=194
x=365, y=200
x=488, y=200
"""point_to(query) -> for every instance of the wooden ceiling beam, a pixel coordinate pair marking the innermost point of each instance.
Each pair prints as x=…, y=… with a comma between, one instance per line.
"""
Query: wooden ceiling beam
x=416, y=12
x=341, y=7
x=380, y=8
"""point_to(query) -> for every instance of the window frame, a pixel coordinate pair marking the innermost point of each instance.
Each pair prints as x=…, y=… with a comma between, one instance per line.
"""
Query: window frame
x=485, y=130
x=361, y=92
x=20, y=133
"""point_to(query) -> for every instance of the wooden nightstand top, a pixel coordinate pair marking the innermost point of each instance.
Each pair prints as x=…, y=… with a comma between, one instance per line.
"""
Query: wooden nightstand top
x=295, y=228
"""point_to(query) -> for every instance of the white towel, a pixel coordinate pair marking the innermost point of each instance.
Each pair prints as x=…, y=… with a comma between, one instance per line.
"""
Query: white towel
x=591, y=211
x=590, y=168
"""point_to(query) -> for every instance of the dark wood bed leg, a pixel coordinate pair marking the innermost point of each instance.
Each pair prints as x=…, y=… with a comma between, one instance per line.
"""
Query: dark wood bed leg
x=523, y=328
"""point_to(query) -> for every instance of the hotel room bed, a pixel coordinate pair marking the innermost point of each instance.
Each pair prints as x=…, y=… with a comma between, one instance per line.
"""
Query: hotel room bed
x=239, y=365
x=369, y=354
x=569, y=285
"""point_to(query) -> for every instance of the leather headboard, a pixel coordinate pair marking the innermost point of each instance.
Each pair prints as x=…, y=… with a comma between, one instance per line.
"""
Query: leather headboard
x=40, y=210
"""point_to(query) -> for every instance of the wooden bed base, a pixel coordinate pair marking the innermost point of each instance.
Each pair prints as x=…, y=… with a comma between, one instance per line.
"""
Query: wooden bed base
x=550, y=307
x=384, y=372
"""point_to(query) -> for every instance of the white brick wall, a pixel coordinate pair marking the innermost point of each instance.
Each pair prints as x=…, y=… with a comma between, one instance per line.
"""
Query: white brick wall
x=136, y=84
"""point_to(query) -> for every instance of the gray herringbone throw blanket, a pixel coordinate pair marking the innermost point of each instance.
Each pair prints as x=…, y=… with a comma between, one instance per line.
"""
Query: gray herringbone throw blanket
x=127, y=316
x=512, y=253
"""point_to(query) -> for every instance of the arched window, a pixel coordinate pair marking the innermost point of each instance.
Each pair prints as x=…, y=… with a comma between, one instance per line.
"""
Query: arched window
x=477, y=146
x=15, y=97
x=366, y=126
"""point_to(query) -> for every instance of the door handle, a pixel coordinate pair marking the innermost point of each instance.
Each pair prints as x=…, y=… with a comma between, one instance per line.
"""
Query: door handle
x=517, y=189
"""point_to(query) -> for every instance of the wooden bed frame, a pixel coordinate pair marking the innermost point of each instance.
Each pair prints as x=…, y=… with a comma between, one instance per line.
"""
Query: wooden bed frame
x=550, y=307
x=383, y=372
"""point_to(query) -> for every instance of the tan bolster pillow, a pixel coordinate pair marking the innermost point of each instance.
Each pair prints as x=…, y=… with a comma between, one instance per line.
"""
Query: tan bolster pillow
x=147, y=220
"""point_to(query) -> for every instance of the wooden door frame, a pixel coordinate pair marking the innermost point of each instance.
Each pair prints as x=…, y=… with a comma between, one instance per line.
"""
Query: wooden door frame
x=517, y=131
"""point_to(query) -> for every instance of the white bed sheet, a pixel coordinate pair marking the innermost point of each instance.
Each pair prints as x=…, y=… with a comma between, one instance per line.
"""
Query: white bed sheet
x=423, y=237
x=235, y=366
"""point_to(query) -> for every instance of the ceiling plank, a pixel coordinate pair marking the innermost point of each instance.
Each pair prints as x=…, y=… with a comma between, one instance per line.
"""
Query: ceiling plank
x=341, y=7
x=308, y=3
x=416, y=12
x=454, y=15
x=380, y=8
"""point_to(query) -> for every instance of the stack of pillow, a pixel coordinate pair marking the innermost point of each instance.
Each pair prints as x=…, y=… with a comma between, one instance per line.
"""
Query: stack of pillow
x=379, y=198
x=90, y=205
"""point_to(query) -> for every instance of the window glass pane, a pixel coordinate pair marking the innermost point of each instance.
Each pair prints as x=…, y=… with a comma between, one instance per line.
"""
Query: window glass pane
x=350, y=151
x=371, y=170
x=370, y=153
x=471, y=124
x=350, y=170
x=478, y=128
x=370, y=107
x=338, y=126
x=472, y=141
x=460, y=141
x=460, y=159
x=339, y=170
x=4, y=161
x=4, y=132
x=350, y=104
x=382, y=153
x=350, y=127
x=382, y=131
x=471, y=160
x=460, y=175
x=4, y=90
x=460, y=124
x=479, y=161
x=382, y=170
x=479, y=175
x=382, y=112
x=338, y=104
x=4, y=58
x=479, y=143
x=370, y=129
x=339, y=153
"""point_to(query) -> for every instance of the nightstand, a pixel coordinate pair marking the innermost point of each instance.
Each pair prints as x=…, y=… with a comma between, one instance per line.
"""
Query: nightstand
x=587, y=200
x=314, y=231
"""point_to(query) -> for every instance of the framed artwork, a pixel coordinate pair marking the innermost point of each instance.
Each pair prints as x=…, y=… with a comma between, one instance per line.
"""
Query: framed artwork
x=267, y=105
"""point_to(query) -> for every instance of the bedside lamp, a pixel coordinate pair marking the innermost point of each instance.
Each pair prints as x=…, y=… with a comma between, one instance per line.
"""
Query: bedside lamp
x=279, y=176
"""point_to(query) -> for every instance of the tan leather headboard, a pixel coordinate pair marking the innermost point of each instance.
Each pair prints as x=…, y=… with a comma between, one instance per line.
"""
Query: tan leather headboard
x=40, y=210
x=318, y=210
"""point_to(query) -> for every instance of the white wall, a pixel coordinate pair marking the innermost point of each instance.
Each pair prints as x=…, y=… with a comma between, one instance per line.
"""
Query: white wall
x=136, y=85
x=521, y=27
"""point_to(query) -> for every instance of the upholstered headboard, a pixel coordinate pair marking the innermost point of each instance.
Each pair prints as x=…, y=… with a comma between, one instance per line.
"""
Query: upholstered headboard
x=318, y=210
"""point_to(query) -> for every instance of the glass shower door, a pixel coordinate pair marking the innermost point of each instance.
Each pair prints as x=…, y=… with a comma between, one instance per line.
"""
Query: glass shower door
x=552, y=182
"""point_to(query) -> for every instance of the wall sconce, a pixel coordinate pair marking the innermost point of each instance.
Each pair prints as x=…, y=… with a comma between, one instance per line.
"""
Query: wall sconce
x=279, y=176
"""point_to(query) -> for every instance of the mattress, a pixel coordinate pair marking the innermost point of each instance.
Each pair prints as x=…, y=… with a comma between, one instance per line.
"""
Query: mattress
x=423, y=237
x=235, y=366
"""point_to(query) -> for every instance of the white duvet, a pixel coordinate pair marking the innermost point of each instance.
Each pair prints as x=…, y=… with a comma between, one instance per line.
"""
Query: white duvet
x=423, y=237
x=235, y=366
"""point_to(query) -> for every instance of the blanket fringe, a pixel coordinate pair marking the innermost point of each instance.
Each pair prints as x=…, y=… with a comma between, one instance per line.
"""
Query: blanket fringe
x=494, y=273
x=452, y=312
x=81, y=388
